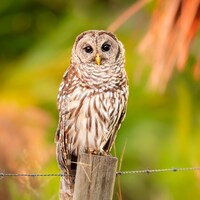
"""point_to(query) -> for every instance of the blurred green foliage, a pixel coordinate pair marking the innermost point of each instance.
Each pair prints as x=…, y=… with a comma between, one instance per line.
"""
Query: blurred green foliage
x=161, y=130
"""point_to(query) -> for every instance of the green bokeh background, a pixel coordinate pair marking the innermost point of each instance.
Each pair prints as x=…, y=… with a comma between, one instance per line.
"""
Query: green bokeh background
x=161, y=130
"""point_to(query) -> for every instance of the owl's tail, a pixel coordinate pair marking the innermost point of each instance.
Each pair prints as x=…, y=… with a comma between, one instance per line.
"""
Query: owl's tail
x=67, y=188
x=67, y=164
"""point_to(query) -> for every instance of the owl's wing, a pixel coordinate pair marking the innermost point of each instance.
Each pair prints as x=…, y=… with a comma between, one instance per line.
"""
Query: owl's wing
x=66, y=108
x=59, y=137
x=59, y=103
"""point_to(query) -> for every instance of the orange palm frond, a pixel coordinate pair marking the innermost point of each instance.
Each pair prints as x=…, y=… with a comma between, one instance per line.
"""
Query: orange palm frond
x=168, y=40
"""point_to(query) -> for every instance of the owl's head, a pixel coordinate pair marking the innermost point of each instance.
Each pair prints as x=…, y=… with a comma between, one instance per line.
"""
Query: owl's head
x=97, y=47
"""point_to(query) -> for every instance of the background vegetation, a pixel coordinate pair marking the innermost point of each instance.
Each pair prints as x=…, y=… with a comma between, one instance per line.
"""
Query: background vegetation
x=162, y=127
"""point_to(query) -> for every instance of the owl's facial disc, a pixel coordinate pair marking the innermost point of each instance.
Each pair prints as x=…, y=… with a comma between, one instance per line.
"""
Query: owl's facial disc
x=98, y=48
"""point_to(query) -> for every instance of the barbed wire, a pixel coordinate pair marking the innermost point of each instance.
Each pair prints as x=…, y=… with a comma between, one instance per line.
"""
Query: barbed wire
x=33, y=174
x=144, y=171
x=148, y=171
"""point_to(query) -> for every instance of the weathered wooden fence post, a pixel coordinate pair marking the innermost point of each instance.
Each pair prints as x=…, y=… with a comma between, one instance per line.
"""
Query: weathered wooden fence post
x=95, y=177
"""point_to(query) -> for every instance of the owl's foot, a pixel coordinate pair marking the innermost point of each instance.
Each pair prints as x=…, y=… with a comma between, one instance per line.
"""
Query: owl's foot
x=99, y=152
x=104, y=153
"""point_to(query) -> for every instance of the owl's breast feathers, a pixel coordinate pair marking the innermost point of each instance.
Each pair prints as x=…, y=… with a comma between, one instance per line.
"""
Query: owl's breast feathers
x=90, y=116
x=101, y=77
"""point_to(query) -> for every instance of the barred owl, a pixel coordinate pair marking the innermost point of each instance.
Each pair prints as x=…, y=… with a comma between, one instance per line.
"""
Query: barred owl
x=92, y=101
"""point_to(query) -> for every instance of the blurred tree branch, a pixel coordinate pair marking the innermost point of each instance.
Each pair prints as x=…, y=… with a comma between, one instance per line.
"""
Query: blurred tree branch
x=167, y=42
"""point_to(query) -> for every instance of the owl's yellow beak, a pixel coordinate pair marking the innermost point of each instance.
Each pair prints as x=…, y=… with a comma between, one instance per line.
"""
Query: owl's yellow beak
x=98, y=59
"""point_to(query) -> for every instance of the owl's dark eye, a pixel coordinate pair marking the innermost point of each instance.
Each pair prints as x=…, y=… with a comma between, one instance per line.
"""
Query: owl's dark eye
x=88, y=49
x=105, y=47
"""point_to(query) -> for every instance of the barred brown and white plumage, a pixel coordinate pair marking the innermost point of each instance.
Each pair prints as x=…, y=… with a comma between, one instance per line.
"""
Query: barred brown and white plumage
x=92, y=100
